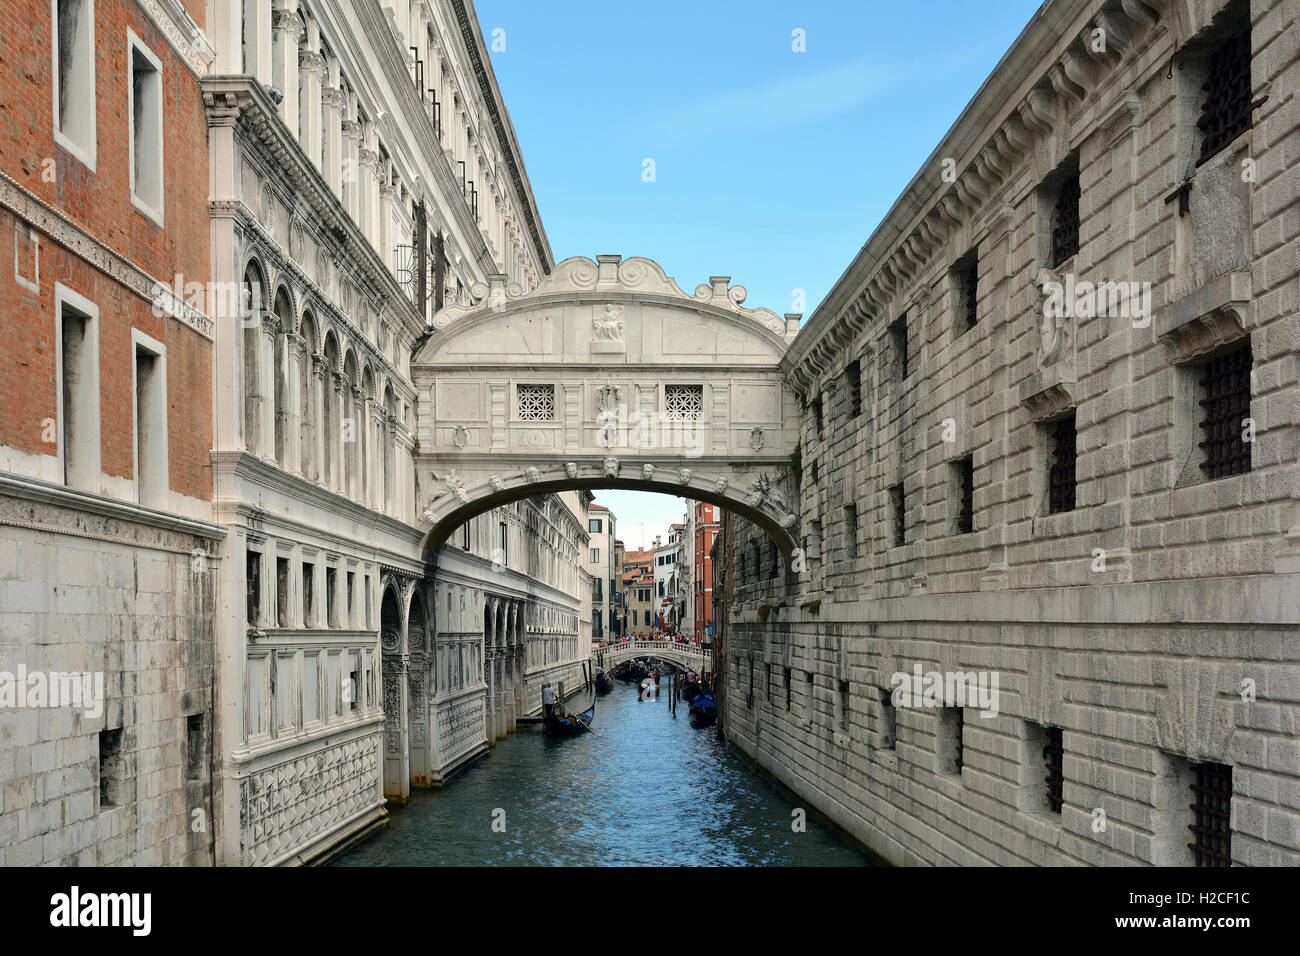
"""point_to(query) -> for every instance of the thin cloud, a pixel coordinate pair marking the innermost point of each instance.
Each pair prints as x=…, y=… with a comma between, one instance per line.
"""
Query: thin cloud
x=814, y=96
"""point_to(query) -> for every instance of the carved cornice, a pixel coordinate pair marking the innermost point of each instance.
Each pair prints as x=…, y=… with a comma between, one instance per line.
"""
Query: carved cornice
x=68, y=234
x=57, y=509
x=181, y=32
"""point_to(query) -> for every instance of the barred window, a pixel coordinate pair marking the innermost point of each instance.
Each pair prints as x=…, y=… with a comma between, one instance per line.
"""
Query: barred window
x=1065, y=220
x=1212, y=809
x=967, y=270
x=1225, y=404
x=965, y=475
x=898, y=509
x=1054, y=760
x=898, y=340
x=1225, y=111
x=1061, y=474
x=684, y=403
x=536, y=403
x=853, y=378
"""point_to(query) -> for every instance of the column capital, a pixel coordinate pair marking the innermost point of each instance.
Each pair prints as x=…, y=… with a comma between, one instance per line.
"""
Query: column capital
x=312, y=62
x=332, y=97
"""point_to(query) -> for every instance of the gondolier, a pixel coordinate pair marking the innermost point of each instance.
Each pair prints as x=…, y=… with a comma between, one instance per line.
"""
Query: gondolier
x=548, y=700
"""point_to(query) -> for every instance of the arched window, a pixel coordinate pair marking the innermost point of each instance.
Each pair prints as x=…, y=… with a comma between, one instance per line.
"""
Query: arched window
x=310, y=421
x=280, y=376
x=253, y=305
x=329, y=414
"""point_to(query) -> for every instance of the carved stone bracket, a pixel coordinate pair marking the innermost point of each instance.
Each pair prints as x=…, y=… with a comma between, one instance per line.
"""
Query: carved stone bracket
x=1208, y=318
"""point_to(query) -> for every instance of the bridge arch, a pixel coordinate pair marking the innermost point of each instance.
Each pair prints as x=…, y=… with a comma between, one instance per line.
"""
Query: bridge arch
x=607, y=375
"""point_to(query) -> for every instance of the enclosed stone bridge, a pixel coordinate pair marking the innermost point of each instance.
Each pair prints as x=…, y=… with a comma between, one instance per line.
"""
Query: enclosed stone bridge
x=607, y=375
x=611, y=655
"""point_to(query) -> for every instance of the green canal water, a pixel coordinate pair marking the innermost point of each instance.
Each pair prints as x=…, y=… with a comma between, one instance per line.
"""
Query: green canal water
x=644, y=790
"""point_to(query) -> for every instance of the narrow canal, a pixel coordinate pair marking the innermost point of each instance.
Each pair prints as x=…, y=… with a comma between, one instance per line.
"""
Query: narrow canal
x=644, y=790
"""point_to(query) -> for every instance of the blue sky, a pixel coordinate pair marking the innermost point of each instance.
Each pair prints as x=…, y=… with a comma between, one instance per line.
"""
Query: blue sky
x=771, y=166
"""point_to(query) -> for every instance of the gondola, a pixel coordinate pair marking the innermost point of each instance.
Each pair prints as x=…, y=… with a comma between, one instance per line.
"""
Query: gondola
x=562, y=722
x=603, y=684
x=690, y=689
x=703, y=710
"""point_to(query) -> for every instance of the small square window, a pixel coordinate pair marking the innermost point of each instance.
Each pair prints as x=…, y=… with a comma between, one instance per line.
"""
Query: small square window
x=535, y=402
x=684, y=403
x=1212, y=809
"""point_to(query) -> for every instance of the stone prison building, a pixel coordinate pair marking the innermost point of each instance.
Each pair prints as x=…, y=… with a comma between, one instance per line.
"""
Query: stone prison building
x=1048, y=437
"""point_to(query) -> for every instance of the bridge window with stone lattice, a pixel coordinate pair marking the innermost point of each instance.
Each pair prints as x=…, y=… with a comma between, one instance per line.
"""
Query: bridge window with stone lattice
x=684, y=403
x=535, y=402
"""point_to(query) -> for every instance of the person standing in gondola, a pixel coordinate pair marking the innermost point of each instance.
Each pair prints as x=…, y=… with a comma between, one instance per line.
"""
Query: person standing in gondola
x=548, y=700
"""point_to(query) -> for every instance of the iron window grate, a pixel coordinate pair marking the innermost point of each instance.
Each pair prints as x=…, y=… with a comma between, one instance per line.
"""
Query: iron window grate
x=966, y=496
x=969, y=277
x=959, y=732
x=898, y=500
x=1054, y=757
x=853, y=376
x=1061, y=478
x=1225, y=111
x=1065, y=221
x=1212, y=807
x=1225, y=385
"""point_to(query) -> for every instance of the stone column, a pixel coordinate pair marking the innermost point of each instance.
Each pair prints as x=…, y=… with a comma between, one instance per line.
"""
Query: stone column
x=389, y=452
x=384, y=242
x=297, y=349
x=257, y=39
x=317, y=428
x=332, y=137
x=266, y=383
x=311, y=71
x=351, y=170
x=284, y=67
x=339, y=469
x=489, y=630
x=356, y=483
x=368, y=158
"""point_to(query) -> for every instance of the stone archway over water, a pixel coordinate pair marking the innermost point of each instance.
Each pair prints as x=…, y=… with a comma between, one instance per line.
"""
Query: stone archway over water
x=606, y=376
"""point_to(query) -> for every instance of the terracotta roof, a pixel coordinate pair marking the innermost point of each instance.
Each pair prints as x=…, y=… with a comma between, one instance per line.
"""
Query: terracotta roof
x=595, y=507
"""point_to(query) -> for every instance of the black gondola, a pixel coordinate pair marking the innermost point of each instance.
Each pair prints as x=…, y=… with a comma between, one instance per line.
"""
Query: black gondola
x=563, y=722
x=603, y=684
x=703, y=710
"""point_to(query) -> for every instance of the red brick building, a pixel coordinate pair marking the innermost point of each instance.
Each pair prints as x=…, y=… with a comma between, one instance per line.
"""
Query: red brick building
x=106, y=427
x=705, y=529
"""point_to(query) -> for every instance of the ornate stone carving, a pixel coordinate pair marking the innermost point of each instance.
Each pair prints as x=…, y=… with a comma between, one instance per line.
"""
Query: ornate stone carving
x=756, y=438
x=648, y=472
x=460, y=436
x=684, y=475
x=291, y=803
x=611, y=467
x=571, y=469
x=498, y=483
x=761, y=490
x=456, y=485
x=608, y=397
x=533, y=474
x=720, y=486
x=608, y=326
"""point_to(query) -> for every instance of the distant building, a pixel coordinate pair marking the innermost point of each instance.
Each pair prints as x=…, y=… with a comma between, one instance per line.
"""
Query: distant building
x=704, y=531
x=601, y=567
